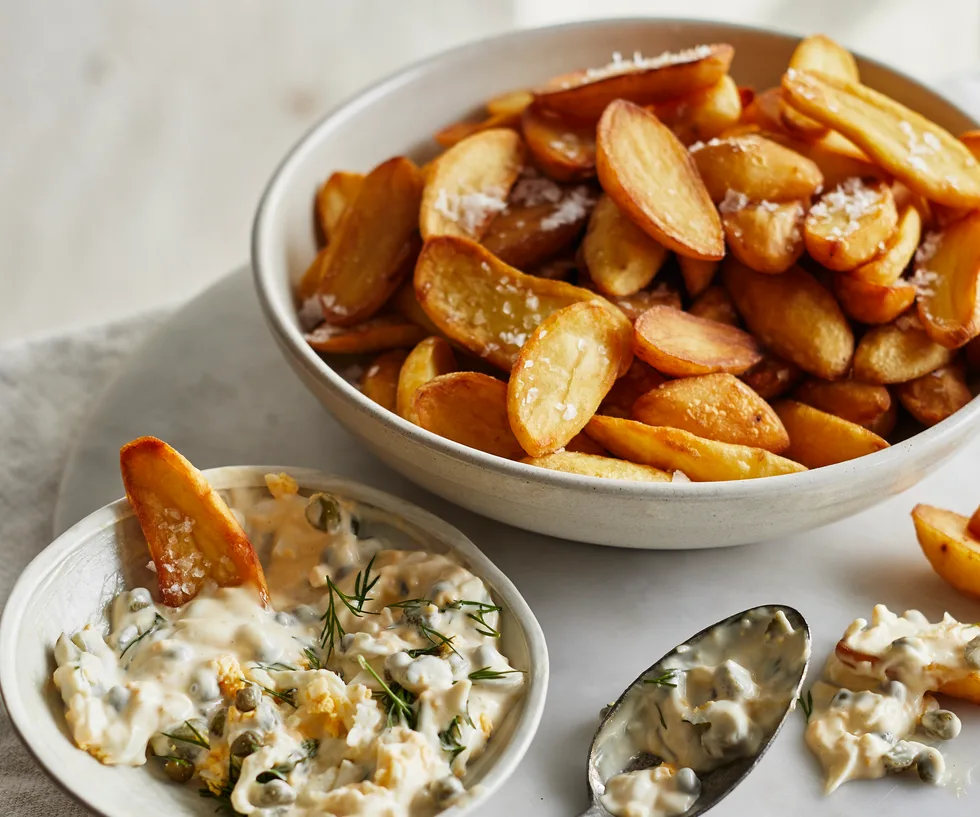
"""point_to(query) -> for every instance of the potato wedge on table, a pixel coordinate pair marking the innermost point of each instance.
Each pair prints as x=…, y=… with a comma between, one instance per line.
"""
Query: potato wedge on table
x=702, y=115
x=482, y=303
x=621, y=258
x=590, y=465
x=715, y=406
x=836, y=157
x=651, y=176
x=897, y=352
x=947, y=277
x=922, y=155
x=374, y=245
x=872, y=303
x=861, y=403
x=673, y=449
x=951, y=548
x=772, y=376
x=380, y=379
x=697, y=274
x=563, y=373
x=817, y=438
x=794, y=316
x=333, y=199
x=468, y=408
x=680, y=344
x=935, y=396
x=429, y=359
x=586, y=94
x=469, y=184
x=888, y=265
x=637, y=381
x=765, y=236
x=563, y=148
x=822, y=55
x=715, y=304
x=375, y=335
x=192, y=535
x=850, y=224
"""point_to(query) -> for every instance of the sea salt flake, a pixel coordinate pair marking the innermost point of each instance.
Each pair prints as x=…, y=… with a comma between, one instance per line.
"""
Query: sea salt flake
x=569, y=413
x=618, y=65
x=852, y=198
x=573, y=208
x=679, y=476
x=470, y=210
x=733, y=202
x=310, y=313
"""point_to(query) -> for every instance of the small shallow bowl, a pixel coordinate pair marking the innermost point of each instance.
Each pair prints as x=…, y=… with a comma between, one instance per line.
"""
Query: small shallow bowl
x=398, y=116
x=72, y=581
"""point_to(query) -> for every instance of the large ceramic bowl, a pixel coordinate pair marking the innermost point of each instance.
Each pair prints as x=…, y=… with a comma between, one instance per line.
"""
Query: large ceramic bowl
x=398, y=116
x=72, y=581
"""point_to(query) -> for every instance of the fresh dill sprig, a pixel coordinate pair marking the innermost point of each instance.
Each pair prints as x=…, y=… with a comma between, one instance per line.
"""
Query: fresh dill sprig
x=410, y=603
x=313, y=658
x=399, y=702
x=663, y=680
x=660, y=712
x=197, y=740
x=180, y=761
x=432, y=649
x=287, y=696
x=158, y=621
x=276, y=667
x=482, y=609
x=332, y=628
x=363, y=584
x=487, y=674
x=449, y=739
x=806, y=704
x=438, y=639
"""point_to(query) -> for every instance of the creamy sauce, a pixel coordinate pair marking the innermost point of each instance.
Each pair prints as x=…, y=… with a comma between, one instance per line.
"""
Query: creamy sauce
x=717, y=701
x=873, y=711
x=288, y=713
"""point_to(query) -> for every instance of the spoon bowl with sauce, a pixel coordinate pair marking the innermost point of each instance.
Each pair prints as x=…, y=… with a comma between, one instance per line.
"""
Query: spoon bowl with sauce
x=694, y=724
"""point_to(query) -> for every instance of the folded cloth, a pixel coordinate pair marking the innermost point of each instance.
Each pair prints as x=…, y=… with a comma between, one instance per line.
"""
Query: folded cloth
x=47, y=388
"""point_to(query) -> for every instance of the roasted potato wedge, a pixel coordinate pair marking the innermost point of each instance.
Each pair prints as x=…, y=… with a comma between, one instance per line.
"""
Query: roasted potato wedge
x=947, y=277
x=861, y=403
x=889, y=264
x=458, y=131
x=582, y=443
x=469, y=184
x=651, y=176
x=756, y=167
x=637, y=381
x=468, y=408
x=590, y=465
x=897, y=352
x=697, y=274
x=563, y=373
x=795, y=316
x=407, y=305
x=380, y=379
x=765, y=236
x=973, y=526
x=773, y=376
x=586, y=94
x=333, y=198
x=632, y=306
x=821, y=54
x=621, y=258
x=850, y=224
x=837, y=158
x=762, y=112
x=374, y=245
x=715, y=406
x=674, y=449
x=375, y=335
x=872, y=303
x=680, y=344
x=715, y=304
x=817, y=438
x=935, y=396
x=922, y=155
x=563, y=148
x=192, y=535
x=951, y=549
x=702, y=115
x=512, y=102
x=310, y=282
x=428, y=360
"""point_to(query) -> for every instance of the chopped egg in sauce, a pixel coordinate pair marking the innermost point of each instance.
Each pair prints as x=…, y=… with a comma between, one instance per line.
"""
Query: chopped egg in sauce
x=717, y=700
x=366, y=688
x=874, y=713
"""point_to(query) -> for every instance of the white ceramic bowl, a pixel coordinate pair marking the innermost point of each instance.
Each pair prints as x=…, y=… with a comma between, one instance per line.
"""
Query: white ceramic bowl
x=398, y=116
x=71, y=582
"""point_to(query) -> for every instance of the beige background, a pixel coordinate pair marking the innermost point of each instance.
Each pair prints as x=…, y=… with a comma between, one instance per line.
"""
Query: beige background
x=137, y=135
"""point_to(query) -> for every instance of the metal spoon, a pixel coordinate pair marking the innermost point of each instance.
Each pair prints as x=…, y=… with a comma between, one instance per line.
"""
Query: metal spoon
x=716, y=784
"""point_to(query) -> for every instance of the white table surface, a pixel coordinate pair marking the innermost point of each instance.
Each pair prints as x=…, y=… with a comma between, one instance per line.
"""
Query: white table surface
x=212, y=383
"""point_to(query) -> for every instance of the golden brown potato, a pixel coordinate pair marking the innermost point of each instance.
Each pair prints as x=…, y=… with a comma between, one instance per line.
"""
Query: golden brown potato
x=861, y=403
x=767, y=236
x=715, y=304
x=512, y=102
x=897, y=352
x=872, y=303
x=375, y=335
x=192, y=534
x=680, y=344
x=821, y=54
x=817, y=438
x=651, y=176
x=632, y=306
x=950, y=548
x=851, y=224
x=702, y=115
x=715, y=406
x=333, y=198
x=590, y=465
x=762, y=113
x=458, y=131
x=935, y=396
x=637, y=381
x=773, y=376
x=310, y=282
x=380, y=379
x=429, y=359
x=889, y=264
x=407, y=305
x=837, y=158
x=563, y=148
x=697, y=274
x=794, y=316
x=973, y=526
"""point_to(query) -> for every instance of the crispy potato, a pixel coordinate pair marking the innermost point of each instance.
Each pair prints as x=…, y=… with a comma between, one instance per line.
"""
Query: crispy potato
x=773, y=376
x=973, y=526
x=192, y=534
x=762, y=112
x=651, y=176
x=380, y=379
x=897, y=352
x=407, y=305
x=872, y=303
x=935, y=396
x=919, y=153
x=697, y=274
x=817, y=438
x=334, y=197
x=621, y=258
x=586, y=94
x=468, y=408
x=637, y=381
x=947, y=277
x=512, y=102
x=429, y=359
x=582, y=443
x=374, y=245
x=590, y=465
x=674, y=449
x=482, y=303
x=888, y=265
x=563, y=148
x=715, y=304
x=850, y=224
x=837, y=158
x=503, y=111
x=861, y=403
x=793, y=315
x=310, y=282
x=948, y=545
x=563, y=373
x=765, y=236
x=632, y=306
x=469, y=184
x=756, y=167
x=704, y=114
x=375, y=335
x=715, y=406
x=821, y=54
x=679, y=344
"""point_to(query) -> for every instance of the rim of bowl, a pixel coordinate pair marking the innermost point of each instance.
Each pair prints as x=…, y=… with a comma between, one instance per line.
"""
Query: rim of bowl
x=291, y=338
x=538, y=671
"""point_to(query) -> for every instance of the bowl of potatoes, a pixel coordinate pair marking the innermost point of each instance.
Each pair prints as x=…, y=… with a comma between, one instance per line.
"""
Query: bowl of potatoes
x=647, y=283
